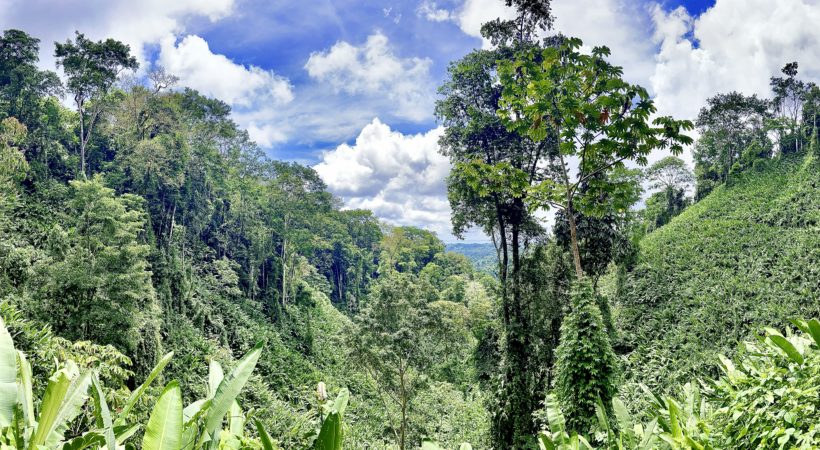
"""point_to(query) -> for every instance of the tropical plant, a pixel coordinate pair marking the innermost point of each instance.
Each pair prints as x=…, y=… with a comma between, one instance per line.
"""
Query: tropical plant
x=768, y=397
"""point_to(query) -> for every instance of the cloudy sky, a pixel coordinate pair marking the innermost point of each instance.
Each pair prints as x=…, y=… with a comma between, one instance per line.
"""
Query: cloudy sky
x=348, y=86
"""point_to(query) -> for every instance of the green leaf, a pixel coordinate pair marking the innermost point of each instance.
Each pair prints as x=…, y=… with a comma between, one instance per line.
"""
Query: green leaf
x=103, y=413
x=62, y=403
x=229, y=389
x=164, y=429
x=556, y=419
x=8, y=377
x=787, y=347
x=24, y=390
x=215, y=377
x=331, y=435
x=814, y=330
x=264, y=437
x=135, y=396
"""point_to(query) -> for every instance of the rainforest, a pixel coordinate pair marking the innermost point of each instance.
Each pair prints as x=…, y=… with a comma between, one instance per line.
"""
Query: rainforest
x=633, y=276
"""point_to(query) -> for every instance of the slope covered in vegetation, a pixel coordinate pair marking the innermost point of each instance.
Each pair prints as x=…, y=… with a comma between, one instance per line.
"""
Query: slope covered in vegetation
x=745, y=256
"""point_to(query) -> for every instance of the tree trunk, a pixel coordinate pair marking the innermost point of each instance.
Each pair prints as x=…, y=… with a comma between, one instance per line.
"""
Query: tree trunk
x=573, y=233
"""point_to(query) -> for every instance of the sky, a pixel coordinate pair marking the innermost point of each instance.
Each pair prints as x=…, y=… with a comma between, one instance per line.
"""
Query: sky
x=348, y=87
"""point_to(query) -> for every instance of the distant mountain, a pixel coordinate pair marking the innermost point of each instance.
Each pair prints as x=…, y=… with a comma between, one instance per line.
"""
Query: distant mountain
x=482, y=255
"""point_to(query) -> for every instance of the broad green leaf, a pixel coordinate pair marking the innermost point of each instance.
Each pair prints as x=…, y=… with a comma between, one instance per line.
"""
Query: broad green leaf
x=264, y=437
x=25, y=394
x=623, y=418
x=71, y=407
x=191, y=411
x=425, y=445
x=236, y=420
x=556, y=419
x=135, y=396
x=787, y=347
x=123, y=433
x=215, y=376
x=465, y=446
x=103, y=413
x=229, y=389
x=8, y=376
x=331, y=434
x=57, y=392
x=814, y=330
x=164, y=429
x=545, y=441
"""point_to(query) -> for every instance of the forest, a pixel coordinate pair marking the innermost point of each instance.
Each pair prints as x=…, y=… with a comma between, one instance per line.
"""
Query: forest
x=166, y=285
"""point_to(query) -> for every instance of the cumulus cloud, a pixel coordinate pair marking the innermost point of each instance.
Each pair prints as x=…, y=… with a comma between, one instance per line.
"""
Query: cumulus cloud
x=250, y=90
x=137, y=23
x=401, y=178
x=373, y=71
x=735, y=45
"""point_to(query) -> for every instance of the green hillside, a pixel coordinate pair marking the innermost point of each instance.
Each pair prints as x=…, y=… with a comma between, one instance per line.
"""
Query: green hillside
x=745, y=256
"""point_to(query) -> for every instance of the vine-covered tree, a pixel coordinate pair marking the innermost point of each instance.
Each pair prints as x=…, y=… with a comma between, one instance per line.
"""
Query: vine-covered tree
x=586, y=366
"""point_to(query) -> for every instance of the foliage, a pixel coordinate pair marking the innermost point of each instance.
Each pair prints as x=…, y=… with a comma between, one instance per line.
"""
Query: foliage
x=730, y=125
x=587, y=368
x=768, y=398
x=91, y=68
x=744, y=256
x=582, y=103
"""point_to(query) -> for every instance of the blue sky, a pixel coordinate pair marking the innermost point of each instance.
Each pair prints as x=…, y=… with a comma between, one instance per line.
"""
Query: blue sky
x=348, y=87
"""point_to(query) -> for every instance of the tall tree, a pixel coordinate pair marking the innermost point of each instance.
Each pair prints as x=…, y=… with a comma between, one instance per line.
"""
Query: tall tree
x=597, y=119
x=672, y=178
x=392, y=344
x=98, y=284
x=789, y=98
x=92, y=69
x=22, y=84
x=487, y=188
x=670, y=173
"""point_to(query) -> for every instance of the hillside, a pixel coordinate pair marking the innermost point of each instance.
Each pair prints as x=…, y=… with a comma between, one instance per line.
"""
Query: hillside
x=482, y=255
x=745, y=256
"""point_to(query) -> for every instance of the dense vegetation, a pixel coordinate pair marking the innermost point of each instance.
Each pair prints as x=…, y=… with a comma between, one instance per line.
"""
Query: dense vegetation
x=146, y=243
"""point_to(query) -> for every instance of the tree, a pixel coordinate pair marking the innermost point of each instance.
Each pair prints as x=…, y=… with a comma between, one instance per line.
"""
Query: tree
x=671, y=176
x=408, y=249
x=97, y=282
x=586, y=366
x=603, y=239
x=392, y=343
x=789, y=97
x=91, y=69
x=492, y=166
x=13, y=165
x=581, y=102
x=669, y=173
x=729, y=125
x=22, y=84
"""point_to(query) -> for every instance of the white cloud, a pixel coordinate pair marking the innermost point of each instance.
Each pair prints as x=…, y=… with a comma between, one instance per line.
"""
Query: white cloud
x=432, y=12
x=374, y=72
x=136, y=23
x=735, y=45
x=217, y=76
x=401, y=178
